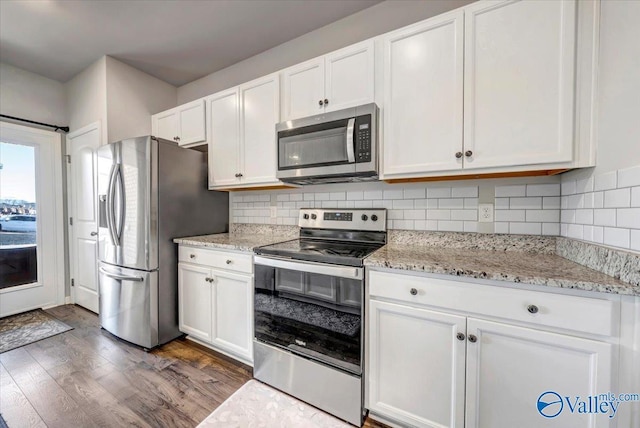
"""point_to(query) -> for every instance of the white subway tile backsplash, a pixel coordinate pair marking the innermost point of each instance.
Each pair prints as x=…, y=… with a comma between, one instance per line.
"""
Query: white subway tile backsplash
x=451, y=226
x=329, y=204
x=426, y=224
x=464, y=215
x=598, y=199
x=575, y=201
x=439, y=214
x=606, y=181
x=619, y=198
x=635, y=196
x=388, y=204
x=525, y=203
x=295, y=197
x=568, y=187
x=322, y=196
x=504, y=191
x=617, y=237
x=309, y=196
x=510, y=215
x=415, y=214
x=635, y=240
x=346, y=204
x=471, y=203
x=543, y=216
x=364, y=204
x=629, y=177
x=464, y=192
x=501, y=227
x=418, y=193
x=551, y=202
x=628, y=217
x=426, y=203
x=403, y=224
x=551, y=229
x=284, y=197
x=395, y=214
x=502, y=203
x=403, y=204
x=337, y=196
x=525, y=228
x=567, y=216
x=584, y=216
x=584, y=185
x=575, y=231
x=393, y=194
x=451, y=203
x=355, y=196
x=439, y=192
x=373, y=194
x=604, y=217
x=470, y=226
x=543, y=189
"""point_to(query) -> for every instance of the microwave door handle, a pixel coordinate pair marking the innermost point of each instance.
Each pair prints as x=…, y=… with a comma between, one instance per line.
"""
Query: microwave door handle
x=351, y=157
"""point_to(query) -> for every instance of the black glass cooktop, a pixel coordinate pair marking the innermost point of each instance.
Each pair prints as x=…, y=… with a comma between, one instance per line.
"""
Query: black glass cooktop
x=322, y=251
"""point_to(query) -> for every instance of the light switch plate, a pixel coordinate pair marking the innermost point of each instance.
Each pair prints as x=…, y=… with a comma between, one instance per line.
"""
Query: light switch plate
x=485, y=213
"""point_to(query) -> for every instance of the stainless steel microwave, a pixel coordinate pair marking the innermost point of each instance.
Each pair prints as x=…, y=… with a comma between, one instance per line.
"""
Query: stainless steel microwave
x=329, y=148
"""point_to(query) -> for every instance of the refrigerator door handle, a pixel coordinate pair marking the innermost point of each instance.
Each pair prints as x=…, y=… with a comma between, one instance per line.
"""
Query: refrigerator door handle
x=118, y=231
x=109, y=208
x=121, y=277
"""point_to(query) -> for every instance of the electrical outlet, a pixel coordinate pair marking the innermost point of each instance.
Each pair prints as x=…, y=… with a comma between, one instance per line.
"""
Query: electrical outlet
x=485, y=213
x=274, y=212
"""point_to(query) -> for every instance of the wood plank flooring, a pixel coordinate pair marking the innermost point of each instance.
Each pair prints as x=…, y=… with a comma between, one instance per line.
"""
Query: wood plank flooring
x=87, y=378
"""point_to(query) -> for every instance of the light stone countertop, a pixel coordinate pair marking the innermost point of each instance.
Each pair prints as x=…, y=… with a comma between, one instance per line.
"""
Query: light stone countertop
x=229, y=241
x=518, y=267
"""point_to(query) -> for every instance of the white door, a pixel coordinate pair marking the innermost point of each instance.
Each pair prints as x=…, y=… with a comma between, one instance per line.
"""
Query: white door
x=519, y=83
x=509, y=370
x=165, y=125
x=32, y=235
x=260, y=107
x=349, y=77
x=416, y=365
x=232, y=328
x=303, y=89
x=82, y=186
x=423, y=78
x=194, y=301
x=191, y=122
x=224, y=145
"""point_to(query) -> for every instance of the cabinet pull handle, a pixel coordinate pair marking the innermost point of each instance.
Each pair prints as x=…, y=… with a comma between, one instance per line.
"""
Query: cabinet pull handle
x=458, y=155
x=229, y=261
x=533, y=309
x=192, y=256
x=468, y=153
x=473, y=338
x=413, y=291
x=93, y=233
x=326, y=101
x=460, y=336
x=321, y=103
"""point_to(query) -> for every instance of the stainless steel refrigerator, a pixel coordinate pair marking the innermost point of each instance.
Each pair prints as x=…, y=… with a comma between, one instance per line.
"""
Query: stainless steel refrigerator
x=150, y=191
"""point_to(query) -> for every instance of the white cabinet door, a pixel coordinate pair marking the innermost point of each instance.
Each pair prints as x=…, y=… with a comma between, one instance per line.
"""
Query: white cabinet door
x=233, y=313
x=422, y=114
x=303, y=89
x=349, y=77
x=519, y=83
x=165, y=125
x=224, y=145
x=192, y=123
x=416, y=365
x=194, y=300
x=509, y=368
x=260, y=111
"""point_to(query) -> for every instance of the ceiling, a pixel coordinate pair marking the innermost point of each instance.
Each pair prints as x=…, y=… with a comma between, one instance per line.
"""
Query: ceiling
x=176, y=41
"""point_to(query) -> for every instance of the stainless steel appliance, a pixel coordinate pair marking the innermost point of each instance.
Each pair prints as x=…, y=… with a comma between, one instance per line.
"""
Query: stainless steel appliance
x=329, y=148
x=308, y=308
x=150, y=191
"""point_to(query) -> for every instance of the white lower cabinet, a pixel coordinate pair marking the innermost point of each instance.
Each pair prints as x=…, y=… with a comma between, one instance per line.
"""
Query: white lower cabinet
x=433, y=368
x=216, y=305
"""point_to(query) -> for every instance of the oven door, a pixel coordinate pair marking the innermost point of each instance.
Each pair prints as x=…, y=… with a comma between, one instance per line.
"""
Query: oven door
x=311, y=309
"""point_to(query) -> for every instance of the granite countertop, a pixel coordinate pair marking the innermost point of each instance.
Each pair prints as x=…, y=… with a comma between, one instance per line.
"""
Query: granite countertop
x=232, y=241
x=519, y=267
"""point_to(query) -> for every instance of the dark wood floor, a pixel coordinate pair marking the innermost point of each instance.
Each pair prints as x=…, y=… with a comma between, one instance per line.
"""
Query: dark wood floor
x=87, y=378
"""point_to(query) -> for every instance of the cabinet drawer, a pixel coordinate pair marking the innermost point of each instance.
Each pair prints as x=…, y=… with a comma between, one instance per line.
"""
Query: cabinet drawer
x=216, y=259
x=584, y=314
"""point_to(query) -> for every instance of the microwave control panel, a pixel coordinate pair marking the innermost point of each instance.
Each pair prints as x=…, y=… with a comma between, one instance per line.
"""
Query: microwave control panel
x=363, y=138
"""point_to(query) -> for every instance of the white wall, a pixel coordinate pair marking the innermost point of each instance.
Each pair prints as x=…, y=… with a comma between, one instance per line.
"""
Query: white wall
x=132, y=96
x=381, y=18
x=31, y=96
x=87, y=97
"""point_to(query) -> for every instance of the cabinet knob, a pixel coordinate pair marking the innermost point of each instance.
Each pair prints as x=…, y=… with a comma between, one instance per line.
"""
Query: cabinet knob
x=458, y=155
x=413, y=291
x=229, y=261
x=238, y=175
x=473, y=338
x=192, y=256
x=207, y=279
x=533, y=309
x=321, y=103
x=94, y=233
x=460, y=336
x=326, y=101
x=468, y=153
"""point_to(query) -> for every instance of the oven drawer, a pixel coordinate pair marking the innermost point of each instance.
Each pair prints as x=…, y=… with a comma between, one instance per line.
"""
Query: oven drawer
x=585, y=314
x=216, y=259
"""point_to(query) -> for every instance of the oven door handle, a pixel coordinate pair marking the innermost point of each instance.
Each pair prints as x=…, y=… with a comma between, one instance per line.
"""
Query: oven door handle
x=312, y=267
x=349, y=140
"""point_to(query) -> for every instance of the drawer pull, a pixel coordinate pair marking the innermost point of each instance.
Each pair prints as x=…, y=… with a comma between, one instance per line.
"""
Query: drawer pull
x=473, y=338
x=533, y=309
x=460, y=336
x=413, y=291
x=229, y=261
x=192, y=256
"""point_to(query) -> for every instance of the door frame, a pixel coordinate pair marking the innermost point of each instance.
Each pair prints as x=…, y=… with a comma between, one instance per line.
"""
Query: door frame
x=56, y=238
x=95, y=126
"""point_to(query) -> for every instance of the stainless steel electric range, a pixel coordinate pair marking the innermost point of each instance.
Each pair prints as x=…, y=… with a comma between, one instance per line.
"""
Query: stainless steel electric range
x=308, y=308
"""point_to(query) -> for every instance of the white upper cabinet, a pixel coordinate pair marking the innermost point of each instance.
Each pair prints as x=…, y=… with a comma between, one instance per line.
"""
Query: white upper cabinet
x=184, y=124
x=341, y=79
x=242, y=122
x=224, y=141
x=423, y=78
x=519, y=83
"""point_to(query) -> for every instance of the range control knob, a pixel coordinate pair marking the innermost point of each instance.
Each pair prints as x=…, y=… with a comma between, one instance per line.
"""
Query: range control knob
x=364, y=217
x=305, y=216
x=313, y=216
x=374, y=218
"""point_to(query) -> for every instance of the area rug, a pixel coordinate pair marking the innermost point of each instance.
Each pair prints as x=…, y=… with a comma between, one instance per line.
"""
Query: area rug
x=258, y=405
x=28, y=327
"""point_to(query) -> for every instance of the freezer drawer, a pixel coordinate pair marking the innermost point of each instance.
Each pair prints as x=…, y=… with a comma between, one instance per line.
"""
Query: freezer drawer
x=129, y=304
